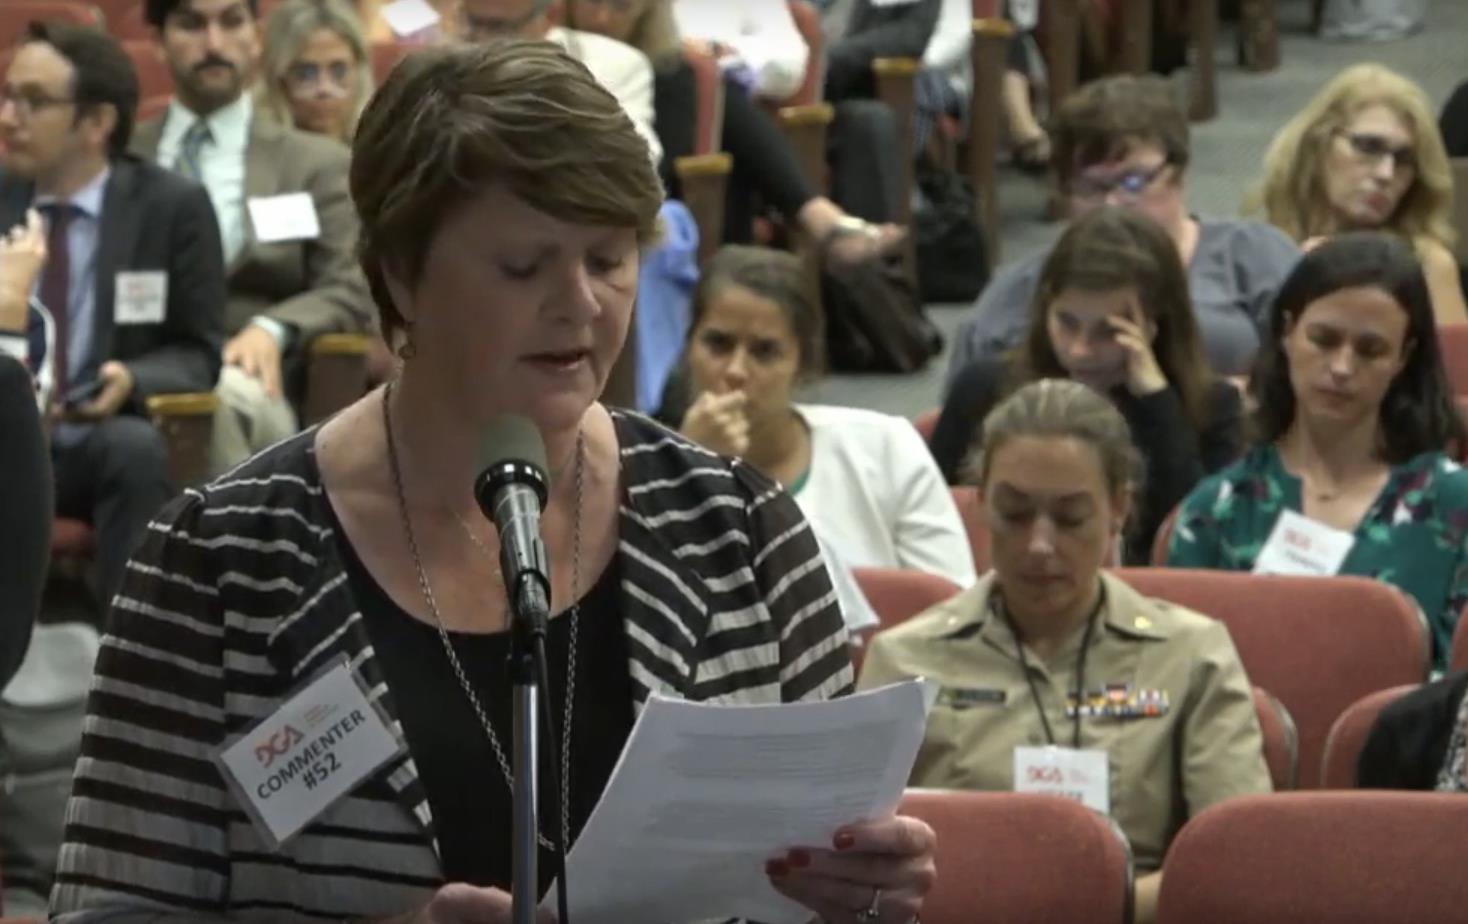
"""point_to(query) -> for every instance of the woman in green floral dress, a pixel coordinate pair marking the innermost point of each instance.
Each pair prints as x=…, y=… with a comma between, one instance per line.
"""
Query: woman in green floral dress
x=1355, y=430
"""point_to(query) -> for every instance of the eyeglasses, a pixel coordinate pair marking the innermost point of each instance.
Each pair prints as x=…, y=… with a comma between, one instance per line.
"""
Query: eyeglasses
x=1128, y=185
x=306, y=76
x=28, y=102
x=1373, y=149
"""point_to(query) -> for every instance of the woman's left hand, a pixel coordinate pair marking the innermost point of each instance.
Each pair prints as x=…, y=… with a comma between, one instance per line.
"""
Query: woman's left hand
x=878, y=871
x=1143, y=374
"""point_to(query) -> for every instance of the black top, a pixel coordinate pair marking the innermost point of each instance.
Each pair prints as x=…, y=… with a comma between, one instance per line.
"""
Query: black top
x=1453, y=123
x=1409, y=742
x=1175, y=454
x=467, y=790
x=25, y=513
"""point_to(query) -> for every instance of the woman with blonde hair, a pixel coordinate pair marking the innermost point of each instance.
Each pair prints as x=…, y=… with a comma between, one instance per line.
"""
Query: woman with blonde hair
x=316, y=70
x=1365, y=154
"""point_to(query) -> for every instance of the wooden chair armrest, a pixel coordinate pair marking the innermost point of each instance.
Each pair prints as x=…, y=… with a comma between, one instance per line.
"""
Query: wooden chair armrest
x=336, y=374
x=990, y=38
x=805, y=127
x=896, y=86
x=705, y=182
x=186, y=421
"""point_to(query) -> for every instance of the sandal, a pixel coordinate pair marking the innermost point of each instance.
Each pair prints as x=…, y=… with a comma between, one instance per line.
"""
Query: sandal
x=1033, y=154
x=853, y=240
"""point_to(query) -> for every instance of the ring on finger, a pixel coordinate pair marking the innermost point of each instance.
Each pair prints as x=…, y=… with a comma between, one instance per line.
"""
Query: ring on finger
x=872, y=911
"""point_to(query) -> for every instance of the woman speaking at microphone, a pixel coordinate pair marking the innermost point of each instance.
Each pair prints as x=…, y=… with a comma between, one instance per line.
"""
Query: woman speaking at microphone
x=504, y=199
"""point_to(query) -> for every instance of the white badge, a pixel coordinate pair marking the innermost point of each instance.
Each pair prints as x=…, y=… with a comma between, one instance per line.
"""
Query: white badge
x=1300, y=545
x=1024, y=14
x=408, y=17
x=314, y=749
x=1082, y=776
x=288, y=217
x=139, y=297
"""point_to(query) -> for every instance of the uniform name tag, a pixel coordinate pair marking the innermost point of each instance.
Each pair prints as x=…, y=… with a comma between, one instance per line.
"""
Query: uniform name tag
x=1081, y=776
x=964, y=697
x=139, y=297
x=296, y=763
x=1300, y=545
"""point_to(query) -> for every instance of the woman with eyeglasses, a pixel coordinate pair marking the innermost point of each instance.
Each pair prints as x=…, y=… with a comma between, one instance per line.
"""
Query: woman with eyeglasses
x=316, y=69
x=1124, y=141
x=1353, y=470
x=1365, y=154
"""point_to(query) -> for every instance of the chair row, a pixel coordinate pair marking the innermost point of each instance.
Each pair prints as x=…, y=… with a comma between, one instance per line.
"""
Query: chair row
x=1336, y=856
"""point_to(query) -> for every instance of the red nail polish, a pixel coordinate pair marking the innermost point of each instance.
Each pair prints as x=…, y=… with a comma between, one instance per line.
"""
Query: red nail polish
x=777, y=869
x=844, y=840
x=798, y=859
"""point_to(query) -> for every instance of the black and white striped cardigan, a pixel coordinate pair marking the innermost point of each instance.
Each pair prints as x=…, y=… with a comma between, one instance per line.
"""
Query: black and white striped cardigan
x=238, y=593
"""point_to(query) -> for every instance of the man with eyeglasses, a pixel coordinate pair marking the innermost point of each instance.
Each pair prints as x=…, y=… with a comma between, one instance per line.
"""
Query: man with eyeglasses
x=1124, y=141
x=131, y=288
x=285, y=219
x=623, y=70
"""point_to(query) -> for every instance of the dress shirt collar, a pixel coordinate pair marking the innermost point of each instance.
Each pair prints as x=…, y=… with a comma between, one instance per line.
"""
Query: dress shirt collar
x=229, y=126
x=88, y=199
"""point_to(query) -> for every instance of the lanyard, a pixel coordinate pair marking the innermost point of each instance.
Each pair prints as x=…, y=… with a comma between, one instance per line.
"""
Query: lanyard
x=1024, y=664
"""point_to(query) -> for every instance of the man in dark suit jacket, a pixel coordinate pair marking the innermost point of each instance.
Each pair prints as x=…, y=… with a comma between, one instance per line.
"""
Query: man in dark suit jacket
x=288, y=228
x=133, y=277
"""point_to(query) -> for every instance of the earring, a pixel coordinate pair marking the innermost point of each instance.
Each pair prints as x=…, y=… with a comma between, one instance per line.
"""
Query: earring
x=407, y=349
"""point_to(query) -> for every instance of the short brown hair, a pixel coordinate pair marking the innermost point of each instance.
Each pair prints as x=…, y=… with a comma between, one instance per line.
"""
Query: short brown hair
x=1104, y=119
x=1113, y=248
x=449, y=121
x=774, y=275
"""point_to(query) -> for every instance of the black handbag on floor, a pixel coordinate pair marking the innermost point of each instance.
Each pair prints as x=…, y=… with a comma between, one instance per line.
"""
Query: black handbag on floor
x=874, y=320
x=952, y=257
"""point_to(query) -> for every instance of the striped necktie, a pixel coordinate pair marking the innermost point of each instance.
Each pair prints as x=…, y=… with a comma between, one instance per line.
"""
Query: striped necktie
x=189, y=149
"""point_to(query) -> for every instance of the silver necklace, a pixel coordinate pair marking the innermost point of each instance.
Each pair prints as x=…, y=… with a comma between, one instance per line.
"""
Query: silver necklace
x=448, y=645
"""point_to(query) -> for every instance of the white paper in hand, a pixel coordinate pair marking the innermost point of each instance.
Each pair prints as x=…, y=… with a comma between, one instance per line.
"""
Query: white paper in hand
x=704, y=795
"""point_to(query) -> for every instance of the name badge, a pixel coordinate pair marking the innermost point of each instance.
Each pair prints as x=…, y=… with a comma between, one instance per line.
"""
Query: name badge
x=296, y=763
x=408, y=17
x=289, y=217
x=1300, y=545
x=964, y=697
x=1081, y=776
x=139, y=297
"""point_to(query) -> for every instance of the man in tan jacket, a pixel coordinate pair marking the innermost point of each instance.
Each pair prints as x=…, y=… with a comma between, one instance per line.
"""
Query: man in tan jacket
x=285, y=216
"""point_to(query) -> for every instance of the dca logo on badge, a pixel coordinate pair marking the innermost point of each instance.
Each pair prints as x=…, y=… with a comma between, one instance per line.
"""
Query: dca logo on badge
x=277, y=745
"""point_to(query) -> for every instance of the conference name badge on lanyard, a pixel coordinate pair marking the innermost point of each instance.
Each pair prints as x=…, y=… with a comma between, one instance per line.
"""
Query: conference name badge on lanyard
x=294, y=764
x=1082, y=776
x=1300, y=545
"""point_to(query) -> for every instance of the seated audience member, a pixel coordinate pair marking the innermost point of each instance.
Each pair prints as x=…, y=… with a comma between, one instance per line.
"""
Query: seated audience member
x=864, y=479
x=764, y=162
x=677, y=571
x=858, y=32
x=1365, y=155
x=1048, y=650
x=755, y=41
x=25, y=489
x=1418, y=742
x=1112, y=311
x=1452, y=124
x=623, y=70
x=316, y=69
x=1124, y=141
x=133, y=281
x=1354, y=427
x=284, y=218
x=383, y=25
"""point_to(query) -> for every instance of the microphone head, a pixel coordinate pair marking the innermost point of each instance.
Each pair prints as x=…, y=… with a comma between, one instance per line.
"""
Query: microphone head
x=511, y=451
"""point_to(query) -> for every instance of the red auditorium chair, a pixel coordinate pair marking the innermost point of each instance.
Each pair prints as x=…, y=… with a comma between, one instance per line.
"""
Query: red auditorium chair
x=926, y=423
x=1163, y=538
x=1458, y=654
x=155, y=80
x=1358, y=857
x=1348, y=735
x=1281, y=740
x=1453, y=340
x=1010, y=857
x=385, y=56
x=897, y=595
x=15, y=15
x=1319, y=644
x=124, y=19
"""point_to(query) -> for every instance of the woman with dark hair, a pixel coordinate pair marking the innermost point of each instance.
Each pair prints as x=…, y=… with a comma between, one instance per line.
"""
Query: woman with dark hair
x=862, y=478
x=1111, y=310
x=1354, y=424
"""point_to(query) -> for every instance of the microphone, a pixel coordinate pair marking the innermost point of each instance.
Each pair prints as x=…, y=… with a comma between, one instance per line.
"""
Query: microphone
x=511, y=490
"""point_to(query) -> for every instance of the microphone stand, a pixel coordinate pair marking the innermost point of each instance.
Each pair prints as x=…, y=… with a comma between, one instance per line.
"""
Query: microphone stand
x=529, y=610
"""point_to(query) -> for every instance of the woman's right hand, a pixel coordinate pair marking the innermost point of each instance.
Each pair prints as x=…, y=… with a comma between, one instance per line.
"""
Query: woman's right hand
x=458, y=903
x=718, y=423
x=22, y=254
